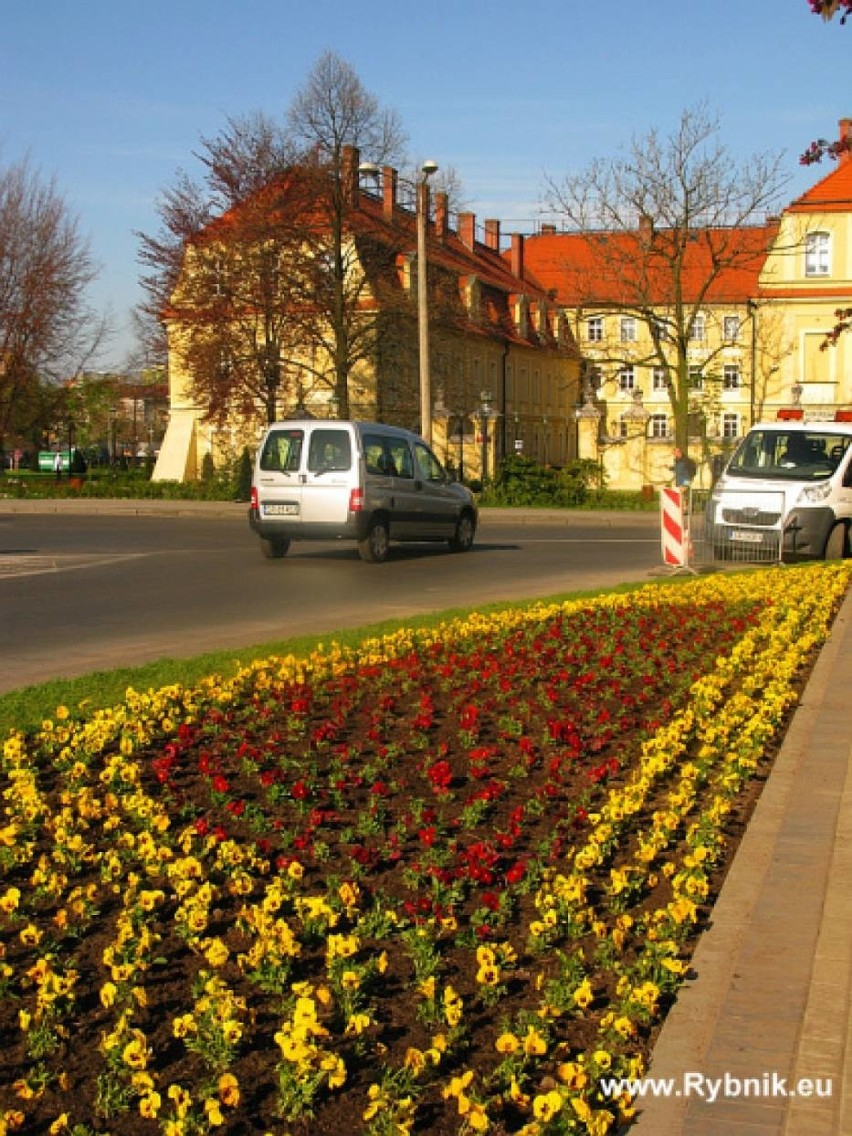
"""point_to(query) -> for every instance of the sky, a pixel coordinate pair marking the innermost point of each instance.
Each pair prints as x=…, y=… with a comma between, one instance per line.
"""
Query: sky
x=110, y=99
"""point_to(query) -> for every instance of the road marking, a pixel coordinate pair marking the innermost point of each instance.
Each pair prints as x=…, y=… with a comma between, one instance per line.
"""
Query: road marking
x=30, y=564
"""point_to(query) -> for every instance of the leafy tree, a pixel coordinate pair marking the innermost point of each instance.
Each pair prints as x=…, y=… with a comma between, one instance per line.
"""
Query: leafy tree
x=669, y=219
x=45, y=270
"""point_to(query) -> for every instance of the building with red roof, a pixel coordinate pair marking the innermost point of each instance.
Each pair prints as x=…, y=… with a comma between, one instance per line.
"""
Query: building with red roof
x=563, y=344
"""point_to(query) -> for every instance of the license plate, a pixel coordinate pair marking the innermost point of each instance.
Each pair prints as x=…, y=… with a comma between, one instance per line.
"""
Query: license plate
x=747, y=537
x=281, y=509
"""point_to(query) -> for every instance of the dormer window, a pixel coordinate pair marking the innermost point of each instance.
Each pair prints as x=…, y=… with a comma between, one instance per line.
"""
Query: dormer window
x=817, y=254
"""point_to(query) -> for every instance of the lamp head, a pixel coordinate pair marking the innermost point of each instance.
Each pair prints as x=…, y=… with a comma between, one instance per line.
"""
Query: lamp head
x=429, y=167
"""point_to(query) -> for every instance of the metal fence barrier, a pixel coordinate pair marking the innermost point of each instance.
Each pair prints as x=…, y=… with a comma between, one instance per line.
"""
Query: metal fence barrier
x=751, y=542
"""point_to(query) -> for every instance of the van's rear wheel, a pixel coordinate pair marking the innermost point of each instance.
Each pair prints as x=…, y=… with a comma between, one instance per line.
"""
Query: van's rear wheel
x=462, y=538
x=274, y=549
x=837, y=545
x=375, y=546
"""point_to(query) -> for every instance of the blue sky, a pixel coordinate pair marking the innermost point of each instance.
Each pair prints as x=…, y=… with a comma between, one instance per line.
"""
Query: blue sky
x=110, y=97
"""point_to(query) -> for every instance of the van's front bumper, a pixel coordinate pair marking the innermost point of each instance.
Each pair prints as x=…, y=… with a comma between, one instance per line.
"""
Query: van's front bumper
x=801, y=535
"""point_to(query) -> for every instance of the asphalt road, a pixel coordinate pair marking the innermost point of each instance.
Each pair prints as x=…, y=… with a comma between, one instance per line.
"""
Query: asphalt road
x=83, y=591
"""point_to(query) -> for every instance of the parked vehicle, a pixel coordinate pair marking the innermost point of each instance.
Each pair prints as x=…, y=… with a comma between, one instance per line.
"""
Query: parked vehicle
x=786, y=493
x=363, y=481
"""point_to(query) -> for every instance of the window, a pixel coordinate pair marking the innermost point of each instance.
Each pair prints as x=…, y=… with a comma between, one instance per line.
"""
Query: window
x=628, y=329
x=696, y=379
x=658, y=426
x=731, y=377
x=428, y=466
x=730, y=425
x=817, y=254
x=595, y=329
x=658, y=379
x=627, y=378
x=731, y=328
x=698, y=328
x=329, y=449
x=282, y=450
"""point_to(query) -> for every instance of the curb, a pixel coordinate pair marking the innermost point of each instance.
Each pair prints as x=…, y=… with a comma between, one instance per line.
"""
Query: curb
x=146, y=507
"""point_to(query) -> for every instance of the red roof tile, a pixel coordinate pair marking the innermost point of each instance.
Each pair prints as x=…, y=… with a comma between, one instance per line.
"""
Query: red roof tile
x=833, y=194
x=614, y=268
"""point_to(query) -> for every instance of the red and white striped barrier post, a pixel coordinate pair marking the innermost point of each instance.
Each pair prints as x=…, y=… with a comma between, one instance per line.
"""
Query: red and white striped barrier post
x=674, y=526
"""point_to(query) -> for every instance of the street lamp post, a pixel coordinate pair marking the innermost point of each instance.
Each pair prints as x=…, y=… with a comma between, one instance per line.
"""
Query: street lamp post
x=486, y=413
x=427, y=169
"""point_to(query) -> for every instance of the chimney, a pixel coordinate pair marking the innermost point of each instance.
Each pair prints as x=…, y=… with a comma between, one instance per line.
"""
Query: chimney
x=389, y=182
x=492, y=235
x=548, y=230
x=845, y=125
x=442, y=214
x=350, y=159
x=518, y=255
x=467, y=229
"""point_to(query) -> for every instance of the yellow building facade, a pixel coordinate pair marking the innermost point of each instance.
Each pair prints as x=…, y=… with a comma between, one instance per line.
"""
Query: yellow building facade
x=504, y=369
x=525, y=361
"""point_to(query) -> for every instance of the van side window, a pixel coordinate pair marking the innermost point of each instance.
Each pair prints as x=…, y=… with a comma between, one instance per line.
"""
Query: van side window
x=377, y=456
x=329, y=449
x=428, y=465
x=401, y=457
x=282, y=451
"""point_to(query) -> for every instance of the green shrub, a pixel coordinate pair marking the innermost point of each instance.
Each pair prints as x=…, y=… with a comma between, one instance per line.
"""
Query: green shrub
x=522, y=482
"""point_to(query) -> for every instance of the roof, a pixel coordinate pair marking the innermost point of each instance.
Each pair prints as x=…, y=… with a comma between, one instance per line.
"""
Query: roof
x=832, y=194
x=367, y=217
x=613, y=268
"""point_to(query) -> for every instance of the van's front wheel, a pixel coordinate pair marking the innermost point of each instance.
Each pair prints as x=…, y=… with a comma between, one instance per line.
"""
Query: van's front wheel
x=375, y=546
x=462, y=538
x=837, y=545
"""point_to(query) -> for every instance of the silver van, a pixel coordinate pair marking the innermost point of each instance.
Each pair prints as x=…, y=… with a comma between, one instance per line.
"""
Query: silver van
x=319, y=479
x=786, y=493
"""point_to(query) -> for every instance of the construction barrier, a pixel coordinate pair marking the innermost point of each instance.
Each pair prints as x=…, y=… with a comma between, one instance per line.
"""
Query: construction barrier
x=674, y=526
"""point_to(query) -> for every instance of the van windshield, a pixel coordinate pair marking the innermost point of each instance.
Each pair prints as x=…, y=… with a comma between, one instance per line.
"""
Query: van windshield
x=793, y=455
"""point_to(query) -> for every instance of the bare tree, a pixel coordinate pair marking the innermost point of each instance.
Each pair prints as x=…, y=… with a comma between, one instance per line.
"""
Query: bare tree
x=665, y=225
x=46, y=267
x=255, y=267
x=216, y=267
x=330, y=116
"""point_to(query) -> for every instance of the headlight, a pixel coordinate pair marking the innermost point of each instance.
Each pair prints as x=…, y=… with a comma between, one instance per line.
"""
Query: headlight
x=813, y=494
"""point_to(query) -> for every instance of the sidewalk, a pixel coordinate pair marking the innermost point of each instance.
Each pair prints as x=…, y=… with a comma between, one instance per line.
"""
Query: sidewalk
x=773, y=988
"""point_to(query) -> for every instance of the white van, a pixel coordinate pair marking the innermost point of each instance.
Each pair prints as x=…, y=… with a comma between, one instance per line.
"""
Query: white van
x=786, y=493
x=316, y=479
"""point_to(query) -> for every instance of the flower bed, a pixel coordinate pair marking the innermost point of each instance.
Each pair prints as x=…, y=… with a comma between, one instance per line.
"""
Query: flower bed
x=441, y=884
